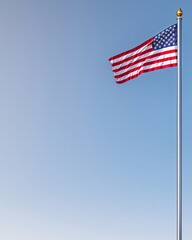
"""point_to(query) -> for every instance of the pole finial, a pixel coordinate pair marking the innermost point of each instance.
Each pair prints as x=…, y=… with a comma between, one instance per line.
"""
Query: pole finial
x=179, y=12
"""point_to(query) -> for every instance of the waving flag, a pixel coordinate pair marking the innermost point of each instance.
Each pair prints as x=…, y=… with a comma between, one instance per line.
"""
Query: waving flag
x=156, y=53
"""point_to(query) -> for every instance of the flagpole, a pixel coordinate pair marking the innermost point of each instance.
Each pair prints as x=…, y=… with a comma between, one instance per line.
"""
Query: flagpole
x=179, y=127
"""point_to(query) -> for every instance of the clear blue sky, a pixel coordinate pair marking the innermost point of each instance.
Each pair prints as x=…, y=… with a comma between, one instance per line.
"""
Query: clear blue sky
x=82, y=158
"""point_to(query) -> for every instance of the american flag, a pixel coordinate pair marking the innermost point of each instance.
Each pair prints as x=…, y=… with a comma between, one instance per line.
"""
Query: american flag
x=156, y=53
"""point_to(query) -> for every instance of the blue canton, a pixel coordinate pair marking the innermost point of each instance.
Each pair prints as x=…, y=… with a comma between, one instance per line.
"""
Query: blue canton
x=166, y=38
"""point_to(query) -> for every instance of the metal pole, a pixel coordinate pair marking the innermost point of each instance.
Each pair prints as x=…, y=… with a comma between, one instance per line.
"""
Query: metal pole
x=179, y=127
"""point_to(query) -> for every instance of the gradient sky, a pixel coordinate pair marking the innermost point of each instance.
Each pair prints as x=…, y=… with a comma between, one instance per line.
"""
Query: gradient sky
x=82, y=158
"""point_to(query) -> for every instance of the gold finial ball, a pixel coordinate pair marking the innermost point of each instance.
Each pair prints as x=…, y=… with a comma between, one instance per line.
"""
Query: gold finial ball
x=179, y=12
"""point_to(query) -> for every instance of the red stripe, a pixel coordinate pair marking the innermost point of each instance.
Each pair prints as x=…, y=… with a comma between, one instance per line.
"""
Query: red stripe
x=132, y=57
x=132, y=50
x=145, y=64
x=146, y=70
x=143, y=59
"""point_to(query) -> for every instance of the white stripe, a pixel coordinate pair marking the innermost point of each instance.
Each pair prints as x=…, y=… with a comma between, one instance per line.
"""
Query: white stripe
x=133, y=60
x=146, y=67
x=145, y=47
x=144, y=55
x=145, y=61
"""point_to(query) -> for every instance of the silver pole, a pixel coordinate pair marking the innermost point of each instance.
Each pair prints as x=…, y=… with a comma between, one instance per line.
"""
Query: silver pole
x=179, y=127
